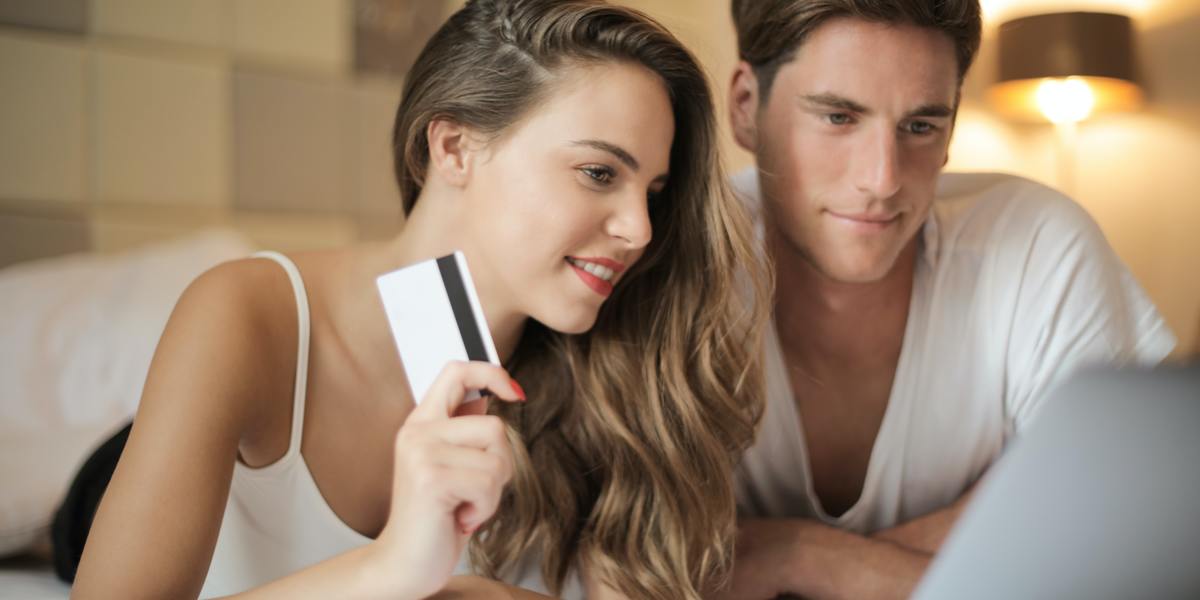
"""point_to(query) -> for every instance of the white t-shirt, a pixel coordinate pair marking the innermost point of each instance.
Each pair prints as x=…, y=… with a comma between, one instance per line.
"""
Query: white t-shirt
x=1015, y=289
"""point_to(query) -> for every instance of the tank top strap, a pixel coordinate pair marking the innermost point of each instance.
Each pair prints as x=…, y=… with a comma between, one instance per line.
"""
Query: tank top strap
x=302, y=334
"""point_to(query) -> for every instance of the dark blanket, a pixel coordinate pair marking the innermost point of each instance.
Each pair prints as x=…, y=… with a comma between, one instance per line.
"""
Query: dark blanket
x=74, y=518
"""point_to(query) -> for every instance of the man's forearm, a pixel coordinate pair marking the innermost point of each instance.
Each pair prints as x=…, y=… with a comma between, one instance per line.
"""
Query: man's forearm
x=832, y=564
x=926, y=534
x=809, y=559
x=467, y=587
x=888, y=564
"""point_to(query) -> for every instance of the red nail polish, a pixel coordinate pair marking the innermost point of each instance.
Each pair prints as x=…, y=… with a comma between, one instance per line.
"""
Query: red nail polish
x=517, y=388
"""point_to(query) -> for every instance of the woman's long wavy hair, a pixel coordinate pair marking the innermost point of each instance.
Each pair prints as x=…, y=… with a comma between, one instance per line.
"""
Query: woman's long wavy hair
x=626, y=449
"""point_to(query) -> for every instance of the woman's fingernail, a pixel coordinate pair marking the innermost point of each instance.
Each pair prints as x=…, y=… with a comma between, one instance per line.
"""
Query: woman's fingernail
x=517, y=388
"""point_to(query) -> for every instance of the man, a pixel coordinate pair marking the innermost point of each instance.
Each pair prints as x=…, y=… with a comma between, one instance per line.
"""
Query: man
x=920, y=318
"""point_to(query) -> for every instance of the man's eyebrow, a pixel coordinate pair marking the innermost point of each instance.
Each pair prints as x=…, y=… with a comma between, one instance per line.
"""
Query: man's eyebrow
x=932, y=111
x=835, y=102
x=617, y=151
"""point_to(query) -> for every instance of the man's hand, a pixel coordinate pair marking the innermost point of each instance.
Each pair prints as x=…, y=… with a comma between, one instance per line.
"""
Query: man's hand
x=765, y=559
x=470, y=587
x=801, y=557
x=926, y=534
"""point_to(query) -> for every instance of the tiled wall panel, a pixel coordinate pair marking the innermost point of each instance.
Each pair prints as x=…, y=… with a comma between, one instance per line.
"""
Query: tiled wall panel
x=42, y=118
x=162, y=130
x=27, y=237
x=377, y=199
x=200, y=22
x=60, y=15
x=308, y=34
x=291, y=137
x=389, y=34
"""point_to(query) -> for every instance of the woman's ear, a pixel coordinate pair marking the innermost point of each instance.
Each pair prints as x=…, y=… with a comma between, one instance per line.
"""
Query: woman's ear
x=449, y=151
x=743, y=106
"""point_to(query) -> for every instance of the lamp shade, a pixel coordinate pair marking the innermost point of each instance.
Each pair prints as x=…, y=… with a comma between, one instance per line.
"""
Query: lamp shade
x=1091, y=53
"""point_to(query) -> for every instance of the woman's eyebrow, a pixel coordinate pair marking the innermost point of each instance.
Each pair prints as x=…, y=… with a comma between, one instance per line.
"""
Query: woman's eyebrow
x=617, y=151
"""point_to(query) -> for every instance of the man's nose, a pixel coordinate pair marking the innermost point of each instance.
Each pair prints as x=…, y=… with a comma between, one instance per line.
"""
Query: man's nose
x=877, y=167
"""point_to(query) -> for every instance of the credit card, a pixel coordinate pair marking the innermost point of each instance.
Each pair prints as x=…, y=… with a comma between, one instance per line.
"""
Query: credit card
x=434, y=313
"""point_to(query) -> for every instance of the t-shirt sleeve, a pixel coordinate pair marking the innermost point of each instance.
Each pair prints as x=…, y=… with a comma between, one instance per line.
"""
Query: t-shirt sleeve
x=1076, y=305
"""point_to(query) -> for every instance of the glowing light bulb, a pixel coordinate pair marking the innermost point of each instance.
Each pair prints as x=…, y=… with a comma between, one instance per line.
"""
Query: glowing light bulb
x=1067, y=100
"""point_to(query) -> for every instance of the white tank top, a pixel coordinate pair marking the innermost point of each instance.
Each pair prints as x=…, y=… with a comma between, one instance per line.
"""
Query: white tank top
x=276, y=521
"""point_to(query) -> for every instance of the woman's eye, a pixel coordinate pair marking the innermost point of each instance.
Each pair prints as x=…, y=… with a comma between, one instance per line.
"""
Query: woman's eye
x=839, y=118
x=601, y=175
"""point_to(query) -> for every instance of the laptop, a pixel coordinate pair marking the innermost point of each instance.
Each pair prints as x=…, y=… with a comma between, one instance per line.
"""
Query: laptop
x=1099, y=499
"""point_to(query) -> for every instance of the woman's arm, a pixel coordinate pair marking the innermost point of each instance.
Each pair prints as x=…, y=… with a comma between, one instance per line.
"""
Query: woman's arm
x=157, y=525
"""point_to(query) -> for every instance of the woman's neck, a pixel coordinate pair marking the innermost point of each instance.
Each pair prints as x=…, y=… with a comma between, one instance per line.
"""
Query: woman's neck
x=433, y=229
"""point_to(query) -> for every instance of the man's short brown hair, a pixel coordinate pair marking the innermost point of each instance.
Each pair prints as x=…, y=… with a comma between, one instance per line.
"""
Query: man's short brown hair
x=771, y=31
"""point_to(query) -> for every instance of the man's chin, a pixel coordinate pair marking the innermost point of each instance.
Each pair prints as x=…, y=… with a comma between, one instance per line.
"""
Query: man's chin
x=856, y=271
x=853, y=264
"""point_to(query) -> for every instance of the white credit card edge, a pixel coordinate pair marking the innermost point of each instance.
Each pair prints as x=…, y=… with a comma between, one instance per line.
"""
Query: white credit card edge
x=485, y=331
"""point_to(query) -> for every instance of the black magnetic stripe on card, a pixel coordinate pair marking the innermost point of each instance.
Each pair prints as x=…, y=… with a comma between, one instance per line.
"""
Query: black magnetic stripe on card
x=456, y=291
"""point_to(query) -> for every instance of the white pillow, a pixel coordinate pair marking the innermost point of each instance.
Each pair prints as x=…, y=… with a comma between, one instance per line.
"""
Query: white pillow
x=36, y=468
x=76, y=337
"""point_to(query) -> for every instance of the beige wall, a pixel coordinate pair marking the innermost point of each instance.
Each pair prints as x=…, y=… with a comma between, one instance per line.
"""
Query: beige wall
x=129, y=121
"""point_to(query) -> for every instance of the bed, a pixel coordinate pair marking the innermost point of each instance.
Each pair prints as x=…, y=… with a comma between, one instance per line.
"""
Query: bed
x=77, y=333
x=30, y=578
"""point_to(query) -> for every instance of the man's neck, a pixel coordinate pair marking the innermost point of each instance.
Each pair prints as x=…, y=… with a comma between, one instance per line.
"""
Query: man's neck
x=827, y=324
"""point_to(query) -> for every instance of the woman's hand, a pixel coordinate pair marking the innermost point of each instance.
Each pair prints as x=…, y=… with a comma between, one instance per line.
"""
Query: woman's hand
x=452, y=462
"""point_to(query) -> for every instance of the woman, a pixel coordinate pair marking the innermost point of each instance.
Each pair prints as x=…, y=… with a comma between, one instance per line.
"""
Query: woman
x=568, y=148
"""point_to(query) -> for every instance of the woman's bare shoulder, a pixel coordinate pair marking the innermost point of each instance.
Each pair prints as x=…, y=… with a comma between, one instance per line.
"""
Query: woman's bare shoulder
x=254, y=292
x=232, y=338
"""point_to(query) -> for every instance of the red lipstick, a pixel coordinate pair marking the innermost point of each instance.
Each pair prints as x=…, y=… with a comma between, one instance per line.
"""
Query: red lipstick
x=597, y=284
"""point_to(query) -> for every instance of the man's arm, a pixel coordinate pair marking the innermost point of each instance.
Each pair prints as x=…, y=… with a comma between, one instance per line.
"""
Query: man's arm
x=806, y=558
x=801, y=557
x=470, y=587
x=926, y=534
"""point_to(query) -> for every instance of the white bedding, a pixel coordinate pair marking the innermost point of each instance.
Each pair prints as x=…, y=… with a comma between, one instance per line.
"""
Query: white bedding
x=76, y=337
x=30, y=581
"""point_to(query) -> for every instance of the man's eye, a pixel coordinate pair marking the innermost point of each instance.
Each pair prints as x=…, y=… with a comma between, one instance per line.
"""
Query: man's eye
x=920, y=127
x=601, y=175
x=839, y=118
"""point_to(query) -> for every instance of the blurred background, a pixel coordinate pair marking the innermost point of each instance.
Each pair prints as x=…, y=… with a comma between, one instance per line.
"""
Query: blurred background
x=128, y=122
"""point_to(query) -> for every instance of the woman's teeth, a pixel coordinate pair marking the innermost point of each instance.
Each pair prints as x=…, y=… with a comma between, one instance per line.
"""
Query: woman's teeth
x=602, y=272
